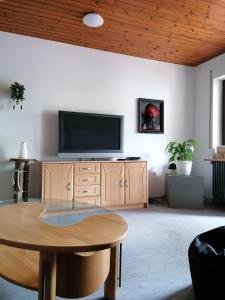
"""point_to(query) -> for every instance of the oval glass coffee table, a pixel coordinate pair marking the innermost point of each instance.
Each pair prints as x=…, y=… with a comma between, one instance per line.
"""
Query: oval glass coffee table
x=35, y=239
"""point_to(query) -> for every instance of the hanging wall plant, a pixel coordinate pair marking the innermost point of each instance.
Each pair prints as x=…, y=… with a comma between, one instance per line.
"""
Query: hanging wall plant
x=17, y=91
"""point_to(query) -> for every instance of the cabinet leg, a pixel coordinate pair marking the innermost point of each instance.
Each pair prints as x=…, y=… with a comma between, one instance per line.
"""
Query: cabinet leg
x=47, y=276
x=111, y=283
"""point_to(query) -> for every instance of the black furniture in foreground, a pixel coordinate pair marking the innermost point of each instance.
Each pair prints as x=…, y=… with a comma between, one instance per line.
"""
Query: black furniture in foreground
x=207, y=264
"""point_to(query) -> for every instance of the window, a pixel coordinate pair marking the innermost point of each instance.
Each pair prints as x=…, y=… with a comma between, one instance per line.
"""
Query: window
x=217, y=115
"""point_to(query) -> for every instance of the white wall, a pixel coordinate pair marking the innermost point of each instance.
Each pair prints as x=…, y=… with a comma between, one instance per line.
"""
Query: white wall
x=65, y=77
x=202, y=116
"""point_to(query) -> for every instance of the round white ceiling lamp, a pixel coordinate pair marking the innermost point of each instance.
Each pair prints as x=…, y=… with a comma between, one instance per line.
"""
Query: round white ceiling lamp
x=93, y=20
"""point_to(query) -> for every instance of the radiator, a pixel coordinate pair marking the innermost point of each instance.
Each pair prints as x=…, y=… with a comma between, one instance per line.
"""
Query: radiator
x=219, y=180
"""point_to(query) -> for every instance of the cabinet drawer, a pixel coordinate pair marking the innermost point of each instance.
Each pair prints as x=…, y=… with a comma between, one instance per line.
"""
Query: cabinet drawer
x=83, y=191
x=87, y=179
x=82, y=168
x=92, y=200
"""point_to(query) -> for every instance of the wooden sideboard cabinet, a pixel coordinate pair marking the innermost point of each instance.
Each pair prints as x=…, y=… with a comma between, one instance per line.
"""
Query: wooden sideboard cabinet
x=110, y=184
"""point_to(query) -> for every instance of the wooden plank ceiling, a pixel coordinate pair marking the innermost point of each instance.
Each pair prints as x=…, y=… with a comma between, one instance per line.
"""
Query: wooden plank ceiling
x=186, y=32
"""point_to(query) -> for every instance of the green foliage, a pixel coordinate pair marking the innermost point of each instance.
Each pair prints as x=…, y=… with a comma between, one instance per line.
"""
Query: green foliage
x=181, y=151
x=17, y=91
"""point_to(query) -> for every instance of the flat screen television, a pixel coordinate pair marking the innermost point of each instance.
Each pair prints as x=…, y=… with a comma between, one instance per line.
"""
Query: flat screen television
x=89, y=133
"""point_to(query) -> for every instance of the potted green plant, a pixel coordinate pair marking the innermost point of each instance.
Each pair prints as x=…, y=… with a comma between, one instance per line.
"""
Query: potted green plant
x=181, y=155
x=17, y=92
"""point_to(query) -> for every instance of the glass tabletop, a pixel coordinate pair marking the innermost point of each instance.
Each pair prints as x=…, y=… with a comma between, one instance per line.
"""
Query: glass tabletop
x=6, y=201
x=69, y=213
x=14, y=201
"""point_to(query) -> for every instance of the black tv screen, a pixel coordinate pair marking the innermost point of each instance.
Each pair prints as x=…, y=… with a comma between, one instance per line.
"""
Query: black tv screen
x=86, y=132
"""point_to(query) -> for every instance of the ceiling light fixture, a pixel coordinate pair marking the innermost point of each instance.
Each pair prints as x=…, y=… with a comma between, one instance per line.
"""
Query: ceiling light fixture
x=93, y=20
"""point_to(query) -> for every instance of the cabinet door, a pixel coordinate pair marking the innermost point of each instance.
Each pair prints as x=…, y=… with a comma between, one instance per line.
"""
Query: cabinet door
x=136, y=183
x=57, y=182
x=112, y=184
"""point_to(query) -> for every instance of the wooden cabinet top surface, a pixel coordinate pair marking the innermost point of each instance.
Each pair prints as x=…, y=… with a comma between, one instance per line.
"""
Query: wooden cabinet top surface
x=91, y=161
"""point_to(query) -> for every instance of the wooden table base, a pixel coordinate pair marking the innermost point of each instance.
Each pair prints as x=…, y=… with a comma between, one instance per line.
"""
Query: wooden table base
x=43, y=278
x=111, y=283
x=101, y=234
x=47, y=276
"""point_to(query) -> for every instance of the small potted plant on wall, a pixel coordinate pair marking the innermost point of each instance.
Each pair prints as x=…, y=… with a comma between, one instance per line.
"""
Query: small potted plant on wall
x=17, y=92
x=181, y=155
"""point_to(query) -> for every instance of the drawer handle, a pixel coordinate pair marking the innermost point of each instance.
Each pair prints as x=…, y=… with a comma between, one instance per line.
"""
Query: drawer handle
x=68, y=186
x=86, y=179
x=87, y=168
x=86, y=191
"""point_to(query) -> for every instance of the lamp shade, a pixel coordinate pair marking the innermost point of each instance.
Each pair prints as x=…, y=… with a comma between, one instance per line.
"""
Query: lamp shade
x=93, y=20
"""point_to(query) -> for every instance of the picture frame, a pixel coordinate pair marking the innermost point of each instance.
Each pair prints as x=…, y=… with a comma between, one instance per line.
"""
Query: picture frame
x=151, y=116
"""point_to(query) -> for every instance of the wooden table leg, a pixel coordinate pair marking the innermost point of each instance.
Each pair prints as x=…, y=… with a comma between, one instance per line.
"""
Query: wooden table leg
x=47, y=276
x=41, y=277
x=111, y=283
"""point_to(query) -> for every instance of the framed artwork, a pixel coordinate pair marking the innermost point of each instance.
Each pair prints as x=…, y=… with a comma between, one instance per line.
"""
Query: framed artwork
x=151, y=116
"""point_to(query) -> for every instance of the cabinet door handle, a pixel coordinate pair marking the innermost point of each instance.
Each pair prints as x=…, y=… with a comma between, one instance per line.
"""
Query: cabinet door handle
x=121, y=183
x=68, y=186
x=126, y=183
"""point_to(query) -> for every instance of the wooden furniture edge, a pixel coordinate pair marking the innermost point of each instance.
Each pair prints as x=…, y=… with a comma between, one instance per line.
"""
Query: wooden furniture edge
x=141, y=204
x=127, y=206
x=214, y=159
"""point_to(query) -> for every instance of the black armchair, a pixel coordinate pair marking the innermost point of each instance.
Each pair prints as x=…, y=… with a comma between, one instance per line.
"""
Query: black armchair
x=207, y=264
